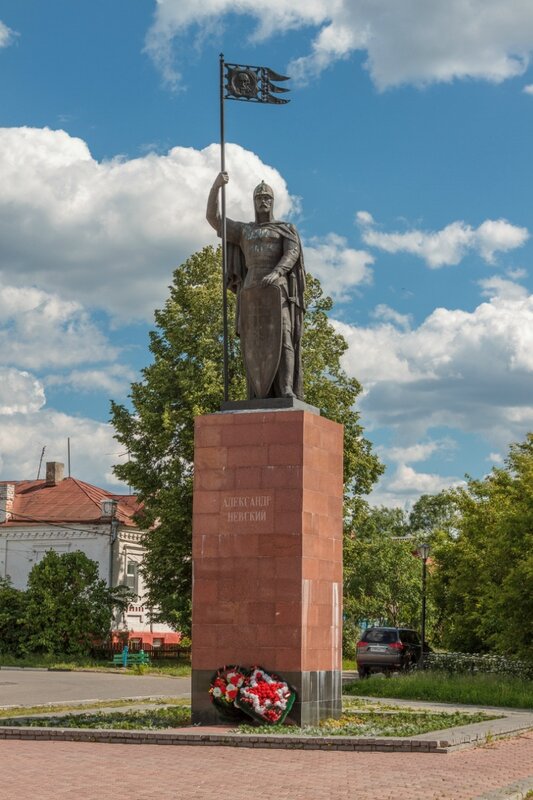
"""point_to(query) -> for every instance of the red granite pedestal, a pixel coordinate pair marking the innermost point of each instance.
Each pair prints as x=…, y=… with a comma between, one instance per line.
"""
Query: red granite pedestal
x=267, y=554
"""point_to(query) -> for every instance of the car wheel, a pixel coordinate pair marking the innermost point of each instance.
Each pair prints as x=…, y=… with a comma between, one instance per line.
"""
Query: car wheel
x=363, y=672
x=407, y=664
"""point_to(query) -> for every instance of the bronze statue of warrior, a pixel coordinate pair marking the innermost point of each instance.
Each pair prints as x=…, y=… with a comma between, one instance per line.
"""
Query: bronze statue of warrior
x=265, y=268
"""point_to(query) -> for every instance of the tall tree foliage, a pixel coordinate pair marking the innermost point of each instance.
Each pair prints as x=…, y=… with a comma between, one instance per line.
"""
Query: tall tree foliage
x=484, y=573
x=433, y=515
x=67, y=606
x=382, y=576
x=383, y=571
x=185, y=380
x=12, y=618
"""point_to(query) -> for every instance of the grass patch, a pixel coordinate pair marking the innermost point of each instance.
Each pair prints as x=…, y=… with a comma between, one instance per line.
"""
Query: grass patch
x=359, y=719
x=374, y=723
x=175, y=717
x=50, y=662
x=177, y=669
x=440, y=687
x=364, y=704
x=181, y=669
x=53, y=708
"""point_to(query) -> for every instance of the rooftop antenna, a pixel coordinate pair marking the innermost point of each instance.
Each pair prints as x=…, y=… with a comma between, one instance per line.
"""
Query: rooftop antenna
x=41, y=462
x=125, y=453
x=68, y=454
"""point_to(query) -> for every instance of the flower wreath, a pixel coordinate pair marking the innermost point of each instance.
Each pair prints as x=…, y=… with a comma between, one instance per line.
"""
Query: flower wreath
x=224, y=689
x=264, y=696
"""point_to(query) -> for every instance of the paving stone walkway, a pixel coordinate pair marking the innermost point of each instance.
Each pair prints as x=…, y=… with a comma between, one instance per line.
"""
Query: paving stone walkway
x=90, y=771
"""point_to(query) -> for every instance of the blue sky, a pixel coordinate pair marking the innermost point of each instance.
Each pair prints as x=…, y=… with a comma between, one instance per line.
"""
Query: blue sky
x=404, y=158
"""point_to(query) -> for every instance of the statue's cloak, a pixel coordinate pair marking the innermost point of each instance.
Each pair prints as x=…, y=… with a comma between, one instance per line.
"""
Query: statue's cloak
x=236, y=274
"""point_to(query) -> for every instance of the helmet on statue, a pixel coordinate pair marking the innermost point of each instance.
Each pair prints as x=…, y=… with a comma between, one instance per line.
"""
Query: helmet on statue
x=263, y=188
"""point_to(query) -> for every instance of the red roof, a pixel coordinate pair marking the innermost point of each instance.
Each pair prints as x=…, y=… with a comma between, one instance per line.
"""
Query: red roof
x=69, y=500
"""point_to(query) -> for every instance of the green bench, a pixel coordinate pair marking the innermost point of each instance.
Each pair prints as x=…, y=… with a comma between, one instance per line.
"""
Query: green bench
x=132, y=658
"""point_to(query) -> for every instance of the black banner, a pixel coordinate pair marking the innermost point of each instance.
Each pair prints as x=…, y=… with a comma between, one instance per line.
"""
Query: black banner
x=253, y=84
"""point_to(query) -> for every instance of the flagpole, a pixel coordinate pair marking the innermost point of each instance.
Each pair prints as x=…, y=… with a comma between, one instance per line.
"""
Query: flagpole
x=223, y=232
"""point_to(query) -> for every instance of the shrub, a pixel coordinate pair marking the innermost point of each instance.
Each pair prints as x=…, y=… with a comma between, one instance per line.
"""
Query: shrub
x=464, y=663
x=67, y=605
x=12, y=619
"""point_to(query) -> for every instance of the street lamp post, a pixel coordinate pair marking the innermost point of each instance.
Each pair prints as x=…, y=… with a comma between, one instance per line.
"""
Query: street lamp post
x=109, y=512
x=423, y=552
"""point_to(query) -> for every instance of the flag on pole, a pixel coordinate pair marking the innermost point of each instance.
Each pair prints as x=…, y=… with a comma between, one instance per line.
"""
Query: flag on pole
x=253, y=84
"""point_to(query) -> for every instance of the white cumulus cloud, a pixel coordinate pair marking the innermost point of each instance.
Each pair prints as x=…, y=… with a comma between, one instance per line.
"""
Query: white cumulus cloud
x=338, y=267
x=109, y=234
x=39, y=330
x=93, y=449
x=420, y=451
x=388, y=314
x=364, y=218
x=113, y=379
x=7, y=36
x=20, y=392
x=451, y=244
x=405, y=41
x=471, y=370
x=505, y=289
x=404, y=486
x=408, y=481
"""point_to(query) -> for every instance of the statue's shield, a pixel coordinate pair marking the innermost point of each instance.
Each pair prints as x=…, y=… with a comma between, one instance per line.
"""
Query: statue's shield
x=260, y=330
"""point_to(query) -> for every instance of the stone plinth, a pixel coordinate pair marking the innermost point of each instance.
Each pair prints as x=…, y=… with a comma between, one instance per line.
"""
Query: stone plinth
x=267, y=554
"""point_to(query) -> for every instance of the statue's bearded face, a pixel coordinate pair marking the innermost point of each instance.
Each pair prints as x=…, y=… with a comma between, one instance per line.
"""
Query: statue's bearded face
x=263, y=203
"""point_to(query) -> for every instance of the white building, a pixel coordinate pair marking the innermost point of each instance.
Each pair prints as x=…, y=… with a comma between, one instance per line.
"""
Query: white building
x=66, y=514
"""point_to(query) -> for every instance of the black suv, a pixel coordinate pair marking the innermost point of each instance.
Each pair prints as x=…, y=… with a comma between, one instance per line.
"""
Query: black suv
x=387, y=649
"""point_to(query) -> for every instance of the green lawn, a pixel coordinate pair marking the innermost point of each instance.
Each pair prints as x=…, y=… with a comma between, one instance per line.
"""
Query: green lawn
x=375, y=723
x=50, y=708
x=480, y=689
x=353, y=722
x=173, y=717
x=180, y=669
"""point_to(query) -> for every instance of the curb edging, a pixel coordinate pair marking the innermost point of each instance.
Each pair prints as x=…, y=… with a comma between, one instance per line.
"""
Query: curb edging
x=425, y=743
x=514, y=791
x=331, y=743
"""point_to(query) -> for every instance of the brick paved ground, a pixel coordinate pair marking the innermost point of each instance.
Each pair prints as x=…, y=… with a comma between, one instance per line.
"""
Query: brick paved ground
x=56, y=771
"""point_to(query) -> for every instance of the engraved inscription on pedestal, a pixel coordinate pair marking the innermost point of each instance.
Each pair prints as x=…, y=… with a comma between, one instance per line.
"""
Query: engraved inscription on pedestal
x=241, y=508
x=245, y=511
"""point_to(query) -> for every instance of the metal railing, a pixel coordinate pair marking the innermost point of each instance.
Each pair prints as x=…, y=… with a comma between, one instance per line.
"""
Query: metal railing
x=163, y=652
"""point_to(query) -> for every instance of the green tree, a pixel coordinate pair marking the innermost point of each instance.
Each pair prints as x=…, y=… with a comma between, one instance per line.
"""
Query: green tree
x=185, y=380
x=68, y=606
x=433, y=514
x=484, y=573
x=382, y=576
x=12, y=618
x=433, y=519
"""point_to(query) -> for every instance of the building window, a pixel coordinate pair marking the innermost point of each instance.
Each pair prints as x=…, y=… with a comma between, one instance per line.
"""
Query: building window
x=132, y=578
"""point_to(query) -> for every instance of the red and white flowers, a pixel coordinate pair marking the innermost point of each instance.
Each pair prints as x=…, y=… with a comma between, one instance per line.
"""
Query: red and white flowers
x=226, y=683
x=265, y=697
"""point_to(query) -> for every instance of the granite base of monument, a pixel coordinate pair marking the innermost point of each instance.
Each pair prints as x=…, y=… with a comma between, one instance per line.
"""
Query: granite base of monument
x=267, y=554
